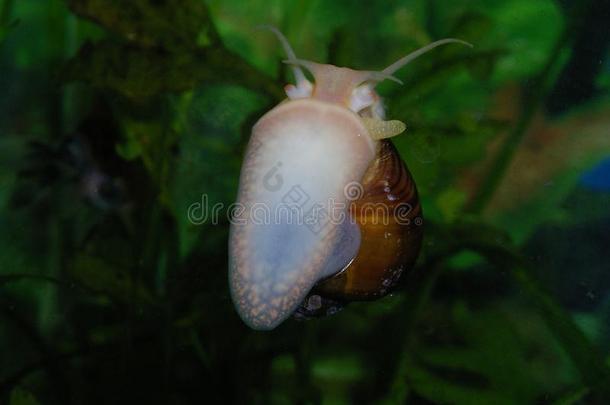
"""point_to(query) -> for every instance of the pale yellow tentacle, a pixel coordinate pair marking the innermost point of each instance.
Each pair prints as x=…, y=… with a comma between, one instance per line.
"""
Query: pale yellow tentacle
x=379, y=129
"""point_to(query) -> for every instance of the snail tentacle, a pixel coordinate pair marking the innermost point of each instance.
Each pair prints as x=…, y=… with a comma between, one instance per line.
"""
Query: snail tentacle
x=379, y=129
x=303, y=87
x=405, y=60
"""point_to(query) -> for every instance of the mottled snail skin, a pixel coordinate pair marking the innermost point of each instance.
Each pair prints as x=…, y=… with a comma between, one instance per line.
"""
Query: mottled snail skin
x=303, y=154
x=320, y=148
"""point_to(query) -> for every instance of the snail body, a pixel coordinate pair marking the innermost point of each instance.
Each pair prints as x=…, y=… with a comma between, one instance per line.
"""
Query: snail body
x=302, y=240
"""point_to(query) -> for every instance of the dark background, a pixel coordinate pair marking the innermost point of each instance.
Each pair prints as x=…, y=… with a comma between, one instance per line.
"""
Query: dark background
x=116, y=116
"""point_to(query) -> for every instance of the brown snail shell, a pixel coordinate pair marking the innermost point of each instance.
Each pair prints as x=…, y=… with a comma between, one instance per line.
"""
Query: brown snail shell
x=391, y=224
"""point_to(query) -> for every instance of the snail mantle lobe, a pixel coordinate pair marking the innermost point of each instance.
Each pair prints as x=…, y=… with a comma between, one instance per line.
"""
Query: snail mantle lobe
x=327, y=211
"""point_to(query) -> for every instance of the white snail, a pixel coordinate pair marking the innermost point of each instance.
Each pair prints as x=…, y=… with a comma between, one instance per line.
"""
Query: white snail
x=298, y=225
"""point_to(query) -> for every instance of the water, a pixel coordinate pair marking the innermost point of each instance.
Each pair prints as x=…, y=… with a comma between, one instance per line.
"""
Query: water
x=123, y=129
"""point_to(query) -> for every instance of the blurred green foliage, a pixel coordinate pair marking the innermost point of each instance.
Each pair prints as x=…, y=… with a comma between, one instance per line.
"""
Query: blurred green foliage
x=116, y=117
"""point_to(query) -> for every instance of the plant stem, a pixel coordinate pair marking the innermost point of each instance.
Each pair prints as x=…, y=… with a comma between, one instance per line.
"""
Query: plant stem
x=399, y=389
x=540, y=88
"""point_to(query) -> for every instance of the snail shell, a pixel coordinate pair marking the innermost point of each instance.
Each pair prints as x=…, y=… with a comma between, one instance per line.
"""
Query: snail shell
x=389, y=216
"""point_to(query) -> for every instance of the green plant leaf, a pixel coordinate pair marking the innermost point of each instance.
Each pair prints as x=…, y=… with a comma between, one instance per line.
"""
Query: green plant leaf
x=169, y=24
x=20, y=396
x=501, y=355
x=215, y=125
x=140, y=73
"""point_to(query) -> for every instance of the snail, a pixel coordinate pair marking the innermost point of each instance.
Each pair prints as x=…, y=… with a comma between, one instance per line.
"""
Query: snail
x=327, y=212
